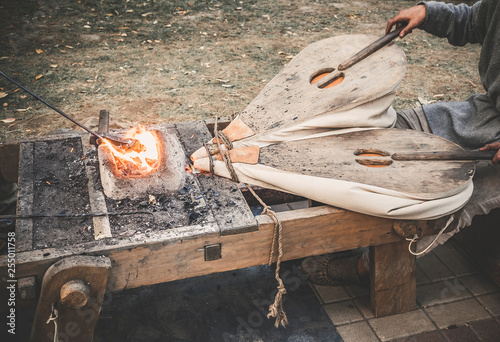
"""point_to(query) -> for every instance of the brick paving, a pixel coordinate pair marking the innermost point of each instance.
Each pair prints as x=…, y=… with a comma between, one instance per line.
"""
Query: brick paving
x=456, y=301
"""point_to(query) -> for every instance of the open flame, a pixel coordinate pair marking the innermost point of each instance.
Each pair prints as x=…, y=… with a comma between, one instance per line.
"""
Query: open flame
x=139, y=160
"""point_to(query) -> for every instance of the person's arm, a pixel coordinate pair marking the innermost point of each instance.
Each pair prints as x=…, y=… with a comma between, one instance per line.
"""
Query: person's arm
x=493, y=146
x=461, y=24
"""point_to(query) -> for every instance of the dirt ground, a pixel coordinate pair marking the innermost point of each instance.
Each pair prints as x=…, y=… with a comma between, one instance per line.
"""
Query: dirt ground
x=155, y=61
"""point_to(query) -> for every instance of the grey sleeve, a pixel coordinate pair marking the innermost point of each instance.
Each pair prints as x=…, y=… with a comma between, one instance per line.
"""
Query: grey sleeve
x=460, y=24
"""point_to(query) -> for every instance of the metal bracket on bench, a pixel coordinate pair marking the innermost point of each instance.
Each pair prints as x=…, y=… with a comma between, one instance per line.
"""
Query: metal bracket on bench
x=406, y=228
x=213, y=252
x=78, y=283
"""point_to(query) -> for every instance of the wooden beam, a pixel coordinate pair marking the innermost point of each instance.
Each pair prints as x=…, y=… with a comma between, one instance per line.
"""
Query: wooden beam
x=311, y=231
x=221, y=124
x=179, y=253
x=392, y=279
x=24, y=227
x=100, y=224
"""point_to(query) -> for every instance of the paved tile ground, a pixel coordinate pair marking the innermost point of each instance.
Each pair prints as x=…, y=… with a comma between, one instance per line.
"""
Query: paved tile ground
x=456, y=301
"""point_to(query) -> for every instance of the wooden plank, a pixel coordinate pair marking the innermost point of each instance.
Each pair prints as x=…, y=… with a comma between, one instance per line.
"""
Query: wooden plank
x=24, y=227
x=226, y=201
x=311, y=231
x=75, y=324
x=152, y=259
x=221, y=124
x=36, y=262
x=101, y=225
x=192, y=135
x=392, y=279
x=61, y=134
x=172, y=255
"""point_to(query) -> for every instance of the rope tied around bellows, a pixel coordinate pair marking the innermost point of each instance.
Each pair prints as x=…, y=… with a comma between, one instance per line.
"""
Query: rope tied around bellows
x=219, y=135
x=210, y=160
x=275, y=309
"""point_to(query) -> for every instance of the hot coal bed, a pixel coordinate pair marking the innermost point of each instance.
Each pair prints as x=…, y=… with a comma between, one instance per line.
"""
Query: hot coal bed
x=169, y=197
x=64, y=174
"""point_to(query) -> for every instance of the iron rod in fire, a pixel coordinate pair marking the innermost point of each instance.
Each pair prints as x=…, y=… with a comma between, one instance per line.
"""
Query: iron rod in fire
x=51, y=106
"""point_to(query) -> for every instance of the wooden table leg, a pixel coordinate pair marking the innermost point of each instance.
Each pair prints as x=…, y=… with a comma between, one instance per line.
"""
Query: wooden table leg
x=392, y=279
x=75, y=288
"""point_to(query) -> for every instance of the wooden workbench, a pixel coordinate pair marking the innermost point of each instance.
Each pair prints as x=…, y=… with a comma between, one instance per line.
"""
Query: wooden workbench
x=230, y=237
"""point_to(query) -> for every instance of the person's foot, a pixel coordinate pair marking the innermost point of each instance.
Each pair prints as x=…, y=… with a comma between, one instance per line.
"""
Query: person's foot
x=335, y=269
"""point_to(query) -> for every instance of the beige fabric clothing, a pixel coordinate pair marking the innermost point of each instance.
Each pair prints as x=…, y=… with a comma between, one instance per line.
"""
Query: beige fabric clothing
x=412, y=119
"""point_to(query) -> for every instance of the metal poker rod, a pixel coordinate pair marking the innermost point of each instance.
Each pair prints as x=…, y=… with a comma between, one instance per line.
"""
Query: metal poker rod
x=97, y=135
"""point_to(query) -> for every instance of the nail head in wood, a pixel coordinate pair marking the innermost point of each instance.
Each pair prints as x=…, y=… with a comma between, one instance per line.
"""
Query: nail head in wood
x=75, y=294
x=27, y=287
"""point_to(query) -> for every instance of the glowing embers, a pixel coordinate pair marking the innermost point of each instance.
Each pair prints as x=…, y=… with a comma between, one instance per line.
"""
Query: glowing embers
x=154, y=165
x=139, y=160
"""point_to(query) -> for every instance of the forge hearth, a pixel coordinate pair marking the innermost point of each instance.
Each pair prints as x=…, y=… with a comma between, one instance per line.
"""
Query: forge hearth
x=167, y=179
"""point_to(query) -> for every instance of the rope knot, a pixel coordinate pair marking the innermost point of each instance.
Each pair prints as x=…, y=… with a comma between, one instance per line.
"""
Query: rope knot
x=266, y=209
x=276, y=309
x=54, y=315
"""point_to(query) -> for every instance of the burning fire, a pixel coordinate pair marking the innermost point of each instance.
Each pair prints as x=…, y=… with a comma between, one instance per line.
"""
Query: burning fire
x=142, y=158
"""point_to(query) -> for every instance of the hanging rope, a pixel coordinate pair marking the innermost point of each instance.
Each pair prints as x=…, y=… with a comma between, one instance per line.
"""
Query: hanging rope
x=276, y=309
x=415, y=238
x=53, y=318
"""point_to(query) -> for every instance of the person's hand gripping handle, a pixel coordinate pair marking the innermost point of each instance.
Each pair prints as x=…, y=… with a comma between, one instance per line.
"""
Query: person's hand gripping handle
x=413, y=17
x=493, y=146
